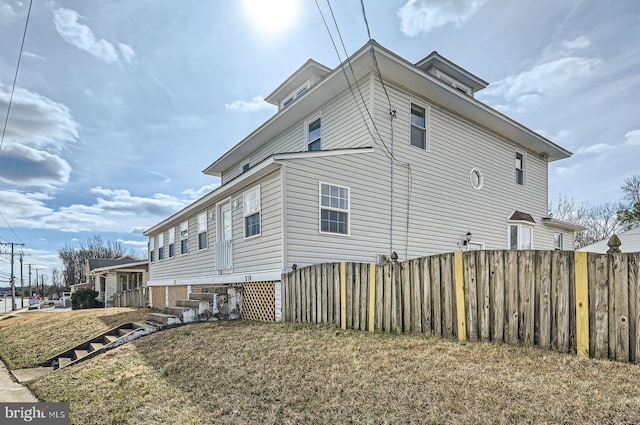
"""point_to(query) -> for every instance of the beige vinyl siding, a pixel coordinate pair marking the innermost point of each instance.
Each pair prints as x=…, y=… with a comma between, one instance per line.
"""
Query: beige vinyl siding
x=197, y=264
x=442, y=194
x=342, y=127
x=264, y=252
x=368, y=210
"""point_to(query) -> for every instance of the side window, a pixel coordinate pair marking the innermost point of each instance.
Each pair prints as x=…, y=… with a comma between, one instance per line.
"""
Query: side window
x=314, y=135
x=334, y=209
x=520, y=236
x=184, y=237
x=202, y=231
x=519, y=168
x=251, y=211
x=418, y=126
x=152, y=247
x=558, y=242
x=161, y=247
x=172, y=242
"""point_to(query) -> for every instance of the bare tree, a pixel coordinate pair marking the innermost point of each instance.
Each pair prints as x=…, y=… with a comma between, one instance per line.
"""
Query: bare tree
x=74, y=258
x=631, y=190
x=600, y=221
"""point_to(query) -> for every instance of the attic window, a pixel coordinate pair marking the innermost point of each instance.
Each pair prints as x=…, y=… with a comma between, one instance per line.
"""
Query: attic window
x=293, y=96
x=245, y=167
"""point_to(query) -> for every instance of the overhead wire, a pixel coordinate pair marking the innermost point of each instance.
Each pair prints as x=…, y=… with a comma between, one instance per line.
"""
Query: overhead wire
x=392, y=112
x=13, y=88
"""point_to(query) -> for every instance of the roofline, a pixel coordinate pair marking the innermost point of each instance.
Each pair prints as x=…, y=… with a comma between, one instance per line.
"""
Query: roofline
x=254, y=173
x=554, y=222
x=119, y=266
x=511, y=129
x=479, y=83
x=294, y=75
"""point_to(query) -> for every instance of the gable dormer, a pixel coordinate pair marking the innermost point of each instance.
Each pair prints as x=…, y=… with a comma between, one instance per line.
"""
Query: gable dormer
x=297, y=84
x=452, y=74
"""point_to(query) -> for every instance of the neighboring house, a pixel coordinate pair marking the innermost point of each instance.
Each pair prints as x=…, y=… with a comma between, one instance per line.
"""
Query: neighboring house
x=115, y=275
x=317, y=182
x=630, y=242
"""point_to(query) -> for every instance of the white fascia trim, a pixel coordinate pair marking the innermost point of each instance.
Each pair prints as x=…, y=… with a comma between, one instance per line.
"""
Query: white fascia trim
x=320, y=154
x=253, y=174
x=122, y=266
x=563, y=225
x=259, y=276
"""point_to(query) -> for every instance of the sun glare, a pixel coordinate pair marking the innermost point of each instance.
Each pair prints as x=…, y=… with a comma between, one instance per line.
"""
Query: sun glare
x=271, y=16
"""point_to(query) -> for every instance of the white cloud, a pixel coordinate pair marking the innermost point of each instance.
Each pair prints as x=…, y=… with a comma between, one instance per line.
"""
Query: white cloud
x=198, y=193
x=33, y=56
x=7, y=12
x=25, y=166
x=127, y=52
x=597, y=148
x=36, y=120
x=418, y=16
x=81, y=36
x=633, y=138
x=581, y=42
x=112, y=211
x=256, y=104
x=549, y=78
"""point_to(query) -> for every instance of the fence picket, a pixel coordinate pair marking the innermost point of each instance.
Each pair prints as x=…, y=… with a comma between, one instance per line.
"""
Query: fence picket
x=508, y=296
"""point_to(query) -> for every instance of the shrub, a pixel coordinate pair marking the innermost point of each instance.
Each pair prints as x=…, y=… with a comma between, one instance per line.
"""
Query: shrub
x=84, y=298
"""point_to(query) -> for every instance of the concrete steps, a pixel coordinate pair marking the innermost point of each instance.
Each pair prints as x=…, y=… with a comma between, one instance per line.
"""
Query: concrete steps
x=221, y=302
x=105, y=341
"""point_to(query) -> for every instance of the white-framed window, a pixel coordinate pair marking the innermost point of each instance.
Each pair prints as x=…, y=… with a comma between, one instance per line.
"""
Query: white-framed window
x=161, y=247
x=152, y=248
x=558, y=241
x=334, y=209
x=313, y=129
x=520, y=236
x=202, y=231
x=184, y=238
x=251, y=212
x=520, y=168
x=172, y=242
x=419, y=125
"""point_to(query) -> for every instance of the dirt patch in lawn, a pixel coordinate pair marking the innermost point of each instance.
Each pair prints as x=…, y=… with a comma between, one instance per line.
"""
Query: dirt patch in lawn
x=248, y=372
x=30, y=338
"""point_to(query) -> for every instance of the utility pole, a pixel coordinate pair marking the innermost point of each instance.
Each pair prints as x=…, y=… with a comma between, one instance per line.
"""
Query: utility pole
x=21, y=282
x=30, y=293
x=13, y=280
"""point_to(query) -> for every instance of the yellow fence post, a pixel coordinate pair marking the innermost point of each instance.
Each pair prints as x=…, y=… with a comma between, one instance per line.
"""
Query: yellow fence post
x=582, y=304
x=460, y=308
x=343, y=295
x=372, y=297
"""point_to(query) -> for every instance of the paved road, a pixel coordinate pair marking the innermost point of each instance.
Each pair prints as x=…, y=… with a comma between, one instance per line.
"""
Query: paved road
x=5, y=304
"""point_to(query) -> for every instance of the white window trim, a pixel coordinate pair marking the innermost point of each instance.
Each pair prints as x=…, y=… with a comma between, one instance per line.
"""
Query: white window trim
x=320, y=208
x=520, y=224
x=524, y=168
x=306, y=130
x=561, y=247
x=206, y=229
x=161, y=246
x=152, y=247
x=295, y=94
x=245, y=214
x=184, y=226
x=427, y=124
x=477, y=172
x=172, y=242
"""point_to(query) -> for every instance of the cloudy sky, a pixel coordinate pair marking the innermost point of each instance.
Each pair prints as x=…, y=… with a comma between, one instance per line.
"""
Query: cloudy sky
x=120, y=104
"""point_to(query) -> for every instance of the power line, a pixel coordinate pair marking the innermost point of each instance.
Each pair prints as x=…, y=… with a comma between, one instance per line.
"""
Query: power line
x=15, y=77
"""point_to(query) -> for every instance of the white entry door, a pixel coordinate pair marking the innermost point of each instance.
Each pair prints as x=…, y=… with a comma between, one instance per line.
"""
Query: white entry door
x=224, y=245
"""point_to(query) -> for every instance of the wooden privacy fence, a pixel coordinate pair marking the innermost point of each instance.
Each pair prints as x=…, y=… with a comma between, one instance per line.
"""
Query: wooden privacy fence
x=562, y=300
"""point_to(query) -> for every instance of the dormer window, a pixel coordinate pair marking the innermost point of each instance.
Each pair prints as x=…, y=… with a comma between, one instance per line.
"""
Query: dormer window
x=293, y=96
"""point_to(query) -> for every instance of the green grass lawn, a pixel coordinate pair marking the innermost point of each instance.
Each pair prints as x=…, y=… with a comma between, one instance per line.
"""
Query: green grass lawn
x=248, y=372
